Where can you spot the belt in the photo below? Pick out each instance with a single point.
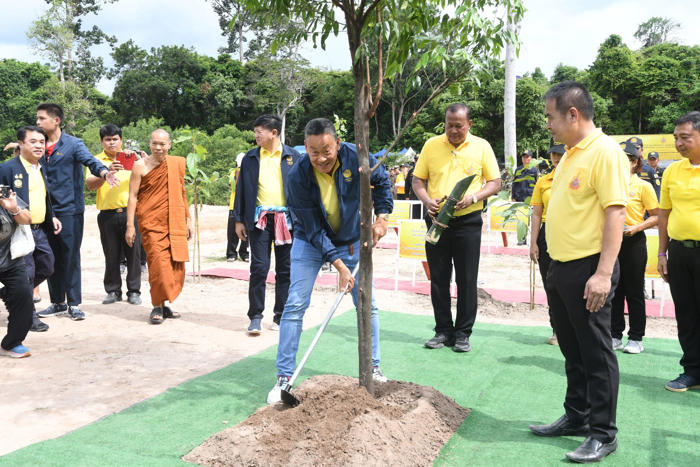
(688, 243)
(36, 226)
(114, 210)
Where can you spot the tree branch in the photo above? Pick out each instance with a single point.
(380, 69)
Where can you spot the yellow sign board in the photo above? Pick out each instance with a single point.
(412, 239)
(665, 145)
(497, 221)
(402, 211)
(652, 253)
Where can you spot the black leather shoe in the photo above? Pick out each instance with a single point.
(112, 297)
(38, 325)
(592, 450)
(133, 298)
(439, 341)
(462, 345)
(562, 427)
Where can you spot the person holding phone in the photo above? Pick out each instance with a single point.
(111, 202)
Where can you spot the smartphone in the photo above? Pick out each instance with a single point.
(4, 191)
(126, 159)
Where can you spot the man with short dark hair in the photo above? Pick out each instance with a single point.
(324, 194)
(679, 238)
(585, 216)
(524, 178)
(112, 203)
(444, 161)
(64, 160)
(262, 217)
(653, 161)
(25, 176)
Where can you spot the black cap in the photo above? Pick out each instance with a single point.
(527, 153)
(636, 141)
(557, 149)
(653, 155)
(629, 148)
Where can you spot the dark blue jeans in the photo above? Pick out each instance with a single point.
(40, 263)
(260, 243)
(65, 283)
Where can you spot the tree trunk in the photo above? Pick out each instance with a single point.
(509, 130)
(240, 41)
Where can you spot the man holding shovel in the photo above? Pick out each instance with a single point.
(324, 196)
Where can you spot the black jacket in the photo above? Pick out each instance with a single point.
(13, 173)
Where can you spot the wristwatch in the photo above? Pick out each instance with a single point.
(474, 200)
(384, 216)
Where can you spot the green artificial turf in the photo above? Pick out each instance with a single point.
(510, 379)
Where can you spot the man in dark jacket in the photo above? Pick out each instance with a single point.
(64, 160)
(262, 218)
(25, 176)
(524, 178)
(324, 195)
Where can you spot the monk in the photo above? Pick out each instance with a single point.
(157, 197)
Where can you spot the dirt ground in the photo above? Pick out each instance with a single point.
(339, 423)
(115, 359)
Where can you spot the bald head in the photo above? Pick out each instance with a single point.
(161, 133)
(160, 143)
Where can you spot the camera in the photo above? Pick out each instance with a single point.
(4, 191)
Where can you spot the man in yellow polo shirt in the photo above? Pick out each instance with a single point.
(585, 216)
(679, 222)
(235, 247)
(444, 161)
(111, 202)
(262, 218)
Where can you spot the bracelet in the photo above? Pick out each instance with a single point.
(661, 254)
(13, 214)
(474, 200)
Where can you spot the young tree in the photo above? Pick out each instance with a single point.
(655, 31)
(471, 30)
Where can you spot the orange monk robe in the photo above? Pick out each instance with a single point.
(162, 211)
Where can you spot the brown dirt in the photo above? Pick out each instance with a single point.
(339, 423)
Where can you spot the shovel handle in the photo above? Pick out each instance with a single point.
(325, 322)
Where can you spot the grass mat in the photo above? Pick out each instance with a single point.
(510, 379)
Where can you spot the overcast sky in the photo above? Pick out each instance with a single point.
(553, 31)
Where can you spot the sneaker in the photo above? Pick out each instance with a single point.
(75, 313)
(683, 383)
(19, 351)
(378, 376)
(133, 298)
(112, 297)
(255, 328)
(633, 347)
(274, 326)
(553, 340)
(439, 341)
(244, 259)
(54, 309)
(122, 268)
(275, 394)
(462, 345)
(617, 343)
(38, 325)
(231, 259)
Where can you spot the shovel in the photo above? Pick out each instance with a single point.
(287, 396)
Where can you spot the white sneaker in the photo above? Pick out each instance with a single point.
(275, 394)
(378, 376)
(616, 343)
(634, 347)
(274, 326)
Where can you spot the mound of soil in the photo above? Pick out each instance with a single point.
(339, 423)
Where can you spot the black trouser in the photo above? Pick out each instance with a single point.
(18, 300)
(232, 245)
(584, 338)
(40, 262)
(65, 283)
(684, 278)
(633, 261)
(261, 242)
(543, 261)
(112, 225)
(459, 244)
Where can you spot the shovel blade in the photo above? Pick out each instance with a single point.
(287, 396)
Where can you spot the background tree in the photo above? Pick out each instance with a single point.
(656, 30)
(235, 21)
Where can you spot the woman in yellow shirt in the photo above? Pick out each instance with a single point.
(633, 259)
(539, 202)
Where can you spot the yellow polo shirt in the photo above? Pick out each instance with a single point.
(680, 192)
(443, 165)
(542, 192)
(642, 197)
(329, 195)
(400, 184)
(232, 181)
(591, 176)
(117, 197)
(270, 188)
(37, 191)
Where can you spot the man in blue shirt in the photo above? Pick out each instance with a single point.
(64, 160)
(324, 197)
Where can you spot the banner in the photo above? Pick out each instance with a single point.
(497, 221)
(412, 239)
(402, 211)
(652, 253)
(665, 145)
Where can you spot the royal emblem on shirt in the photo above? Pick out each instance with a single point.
(290, 161)
(575, 183)
(18, 183)
(347, 175)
